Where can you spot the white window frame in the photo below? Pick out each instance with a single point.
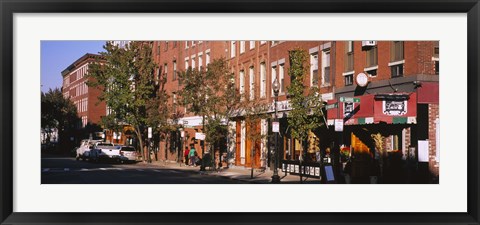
(274, 75)
(313, 65)
(193, 63)
(242, 47)
(263, 80)
(242, 82)
(186, 44)
(200, 61)
(252, 82)
(252, 45)
(232, 49)
(263, 42)
(281, 76)
(186, 64)
(207, 57)
(326, 61)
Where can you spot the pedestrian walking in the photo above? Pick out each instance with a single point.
(185, 155)
(191, 156)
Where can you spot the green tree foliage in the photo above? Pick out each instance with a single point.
(254, 111)
(306, 114)
(58, 112)
(127, 84)
(211, 94)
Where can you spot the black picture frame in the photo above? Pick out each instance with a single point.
(10, 7)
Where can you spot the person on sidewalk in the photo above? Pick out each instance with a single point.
(191, 155)
(185, 156)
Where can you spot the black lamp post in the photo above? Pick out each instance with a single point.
(275, 177)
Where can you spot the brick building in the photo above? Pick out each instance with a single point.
(395, 82)
(75, 87)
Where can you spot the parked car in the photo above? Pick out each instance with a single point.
(104, 151)
(127, 154)
(83, 152)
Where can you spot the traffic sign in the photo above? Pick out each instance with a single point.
(275, 127)
(331, 106)
(349, 99)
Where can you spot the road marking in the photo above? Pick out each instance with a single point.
(173, 171)
(66, 169)
(103, 169)
(46, 170)
(139, 169)
(83, 169)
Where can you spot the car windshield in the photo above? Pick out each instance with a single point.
(128, 149)
(104, 144)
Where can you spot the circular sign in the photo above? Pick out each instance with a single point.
(362, 79)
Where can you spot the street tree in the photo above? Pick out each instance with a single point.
(58, 112)
(254, 111)
(207, 92)
(306, 114)
(126, 80)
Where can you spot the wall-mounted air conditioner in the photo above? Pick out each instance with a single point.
(368, 43)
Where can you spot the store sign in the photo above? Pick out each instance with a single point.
(339, 125)
(394, 108)
(348, 108)
(200, 136)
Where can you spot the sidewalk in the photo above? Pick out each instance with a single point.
(236, 173)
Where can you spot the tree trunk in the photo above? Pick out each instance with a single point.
(139, 136)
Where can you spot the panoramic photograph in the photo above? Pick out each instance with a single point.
(240, 112)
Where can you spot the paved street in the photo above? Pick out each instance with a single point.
(61, 170)
(66, 170)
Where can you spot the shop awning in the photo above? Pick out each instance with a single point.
(391, 108)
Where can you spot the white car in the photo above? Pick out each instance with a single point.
(104, 151)
(127, 154)
(83, 152)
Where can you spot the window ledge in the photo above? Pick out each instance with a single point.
(348, 73)
(435, 58)
(396, 63)
(370, 68)
(325, 85)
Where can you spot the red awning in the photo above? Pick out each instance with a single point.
(367, 109)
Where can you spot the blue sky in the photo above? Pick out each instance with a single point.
(58, 55)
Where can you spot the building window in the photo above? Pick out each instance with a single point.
(326, 67)
(193, 62)
(274, 75)
(165, 71)
(166, 46)
(397, 70)
(348, 56)
(263, 80)
(396, 52)
(158, 48)
(348, 79)
(174, 44)
(193, 43)
(207, 58)
(200, 62)
(371, 56)
(252, 83)
(174, 70)
(281, 78)
(275, 43)
(186, 44)
(252, 45)
(242, 82)
(242, 47)
(232, 49)
(186, 64)
(314, 69)
(263, 42)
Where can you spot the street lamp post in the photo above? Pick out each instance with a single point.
(275, 177)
